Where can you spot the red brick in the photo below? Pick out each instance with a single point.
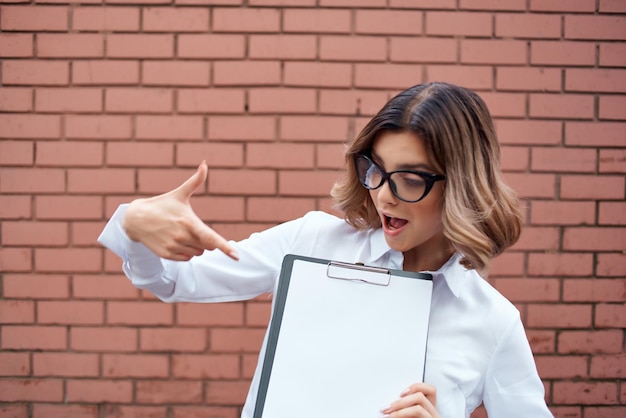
(560, 6)
(75, 45)
(166, 392)
(135, 365)
(351, 102)
(590, 342)
(65, 364)
(595, 134)
(612, 107)
(423, 4)
(236, 339)
(31, 390)
(329, 156)
(565, 106)
(227, 392)
(26, 72)
(14, 364)
(605, 412)
(280, 155)
(514, 158)
(68, 259)
(392, 22)
(314, 128)
(105, 19)
(15, 259)
(611, 367)
(611, 315)
(541, 341)
(562, 367)
(175, 339)
(98, 126)
(256, 182)
(317, 20)
(32, 180)
(103, 339)
(70, 312)
(459, 23)
(529, 132)
(553, 212)
(16, 45)
(611, 265)
(137, 154)
(17, 312)
(24, 337)
(516, 25)
(258, 314)
(348, 48)
(476, 77)
(15, 207)
(560, 264)
(214, 100)
(116, 72)
(83, 233)
(68, 100)
(281, 209)
(98, 391)
(284, 100)
(55, 410)
(479, 51)
(139, 313)
(306, 183)
(211, 46)
(168, 19)
(595, 27)
(592, 187)
(314, 74)
(139, 45)
(175, 73)
(562, 53)
(210, 315)
(246, 73)
(563, 159)
(249, 365)
(532, 185)
(594, 239)
(156, 181)
(131, 100)
(102, 287)
(249, 128)
(283, 47)
(507, 264)
(169, 127)
(411, 49)
(33, 233)
(392, 76)
(611, 6)
(529, 290)
(246, 20)
(215, 154)
(612, 213)
(505, 104)
(294, 3)
(16, 99)
(68, 153)
(353, 3)
(16, 153)
(612, 161)
(34, 18)
(584, 393)
(559, 316)
(538, 238)
(528, 79)
(114, 411)
(492, 5)
(595, 80)
(611, 54)
(35, 286)
(85, 180)
(68, 207)
(203, 366)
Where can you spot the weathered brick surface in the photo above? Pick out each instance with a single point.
(101, 102)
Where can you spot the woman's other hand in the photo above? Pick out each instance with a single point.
(169, 227)
(417, 401)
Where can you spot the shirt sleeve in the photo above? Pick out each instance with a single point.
(211, 277)
(513, 388)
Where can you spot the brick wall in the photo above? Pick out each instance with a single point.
(105, 101)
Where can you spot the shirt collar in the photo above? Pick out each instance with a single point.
(453, 273)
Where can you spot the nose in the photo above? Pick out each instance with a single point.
(385, 194)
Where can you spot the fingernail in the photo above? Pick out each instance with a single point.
(234, 255)
(385, 410)
(405, 392)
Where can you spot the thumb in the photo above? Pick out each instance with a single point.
(193, 183)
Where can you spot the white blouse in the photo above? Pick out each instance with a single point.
(477, 348)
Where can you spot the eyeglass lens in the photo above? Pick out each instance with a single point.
(406, 185)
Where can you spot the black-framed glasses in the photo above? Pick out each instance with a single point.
(407, 185)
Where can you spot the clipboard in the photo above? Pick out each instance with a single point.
(344, 339)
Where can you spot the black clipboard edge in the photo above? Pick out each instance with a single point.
(277, 318)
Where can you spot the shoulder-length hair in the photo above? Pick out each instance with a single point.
(480, 213)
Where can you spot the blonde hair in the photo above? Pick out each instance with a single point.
(480, 214)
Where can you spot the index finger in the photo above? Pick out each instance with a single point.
(210, 240)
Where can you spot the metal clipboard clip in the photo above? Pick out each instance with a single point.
(358, 273)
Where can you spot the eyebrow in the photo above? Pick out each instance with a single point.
(415, 166)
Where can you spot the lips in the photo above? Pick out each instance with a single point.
(392, 223)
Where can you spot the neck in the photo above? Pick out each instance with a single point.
(429, 256)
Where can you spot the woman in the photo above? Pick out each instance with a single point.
(423, 192)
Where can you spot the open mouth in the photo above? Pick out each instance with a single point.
(392, 223)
